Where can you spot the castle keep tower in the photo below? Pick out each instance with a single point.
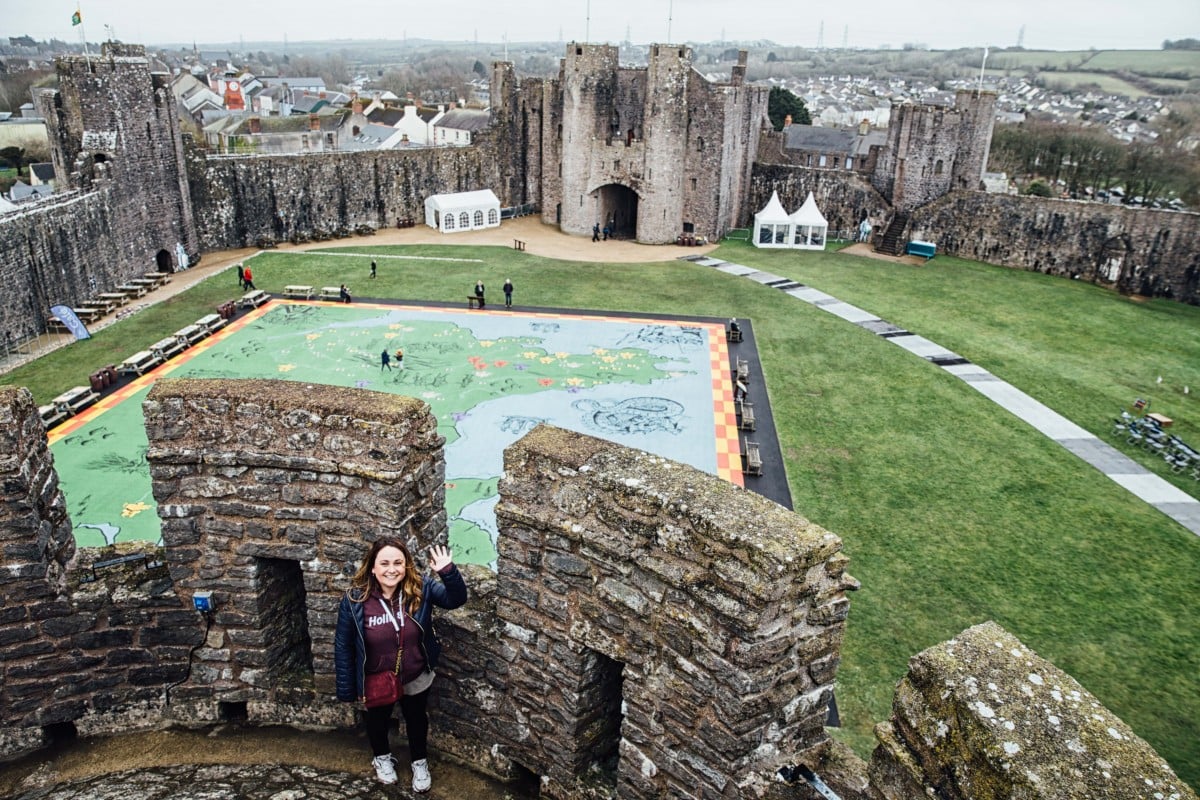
(653, 152)
(112, 124)
(932, 150)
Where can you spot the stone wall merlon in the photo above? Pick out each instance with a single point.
(258, 423)
(982, 716)
(718, 522)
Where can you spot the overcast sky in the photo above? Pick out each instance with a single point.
(941, 24)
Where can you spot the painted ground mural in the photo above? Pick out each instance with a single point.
(489, 377)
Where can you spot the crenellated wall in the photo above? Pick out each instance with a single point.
(651, 631)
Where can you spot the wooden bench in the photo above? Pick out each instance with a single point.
(169, 347)
(743, 370)
(753, 459)
(733, 334)
(253, 299)
(159, 278)
(298, 292)
(745, 412)
(474, 302)
(74, 400)
(139, 363)
(331, 293)
(518, 244)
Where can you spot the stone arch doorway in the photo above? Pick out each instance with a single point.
(618, 208)
(163, 261)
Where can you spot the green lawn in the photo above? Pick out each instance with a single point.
(952, 510)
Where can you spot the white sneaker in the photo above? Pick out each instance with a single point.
(385, 768)
(421, 779)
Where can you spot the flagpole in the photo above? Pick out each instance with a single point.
(83, 34)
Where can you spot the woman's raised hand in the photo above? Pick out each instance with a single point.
(439, 557)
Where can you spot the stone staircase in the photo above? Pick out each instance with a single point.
(892, 241)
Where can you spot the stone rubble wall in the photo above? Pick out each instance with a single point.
(984, 717)
(1132, 250)
(251, 476)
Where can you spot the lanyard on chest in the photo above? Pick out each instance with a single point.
(399, 627)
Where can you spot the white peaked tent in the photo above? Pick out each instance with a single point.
(772, 225)
(809, 226)
(462, 211)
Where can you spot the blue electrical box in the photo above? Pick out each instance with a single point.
(203, 601)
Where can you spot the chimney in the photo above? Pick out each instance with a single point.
(321, 95)
(357, 106)
(254, 125)
(787, 122)
(737, 76)
(863, 127)
(314, 122)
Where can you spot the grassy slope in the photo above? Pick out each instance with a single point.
(952, 511)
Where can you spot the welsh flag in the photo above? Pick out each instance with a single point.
(77, 18)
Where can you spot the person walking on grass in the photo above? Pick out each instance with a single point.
(248, 283)
(385, 359)
(372, 268)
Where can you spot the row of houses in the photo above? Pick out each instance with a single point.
(299, 115)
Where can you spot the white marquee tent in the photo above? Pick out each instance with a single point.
(462, 211)
(806, 229)
(809, 226)
(772, 225)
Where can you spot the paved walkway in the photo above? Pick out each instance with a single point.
(1127, 473)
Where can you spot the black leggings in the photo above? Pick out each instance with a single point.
(416, 724)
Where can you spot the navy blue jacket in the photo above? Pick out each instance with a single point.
(350, 644)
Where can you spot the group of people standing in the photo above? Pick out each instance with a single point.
(507, 289)
(597, 231)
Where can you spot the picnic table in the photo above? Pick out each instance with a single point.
(133, 289)
(139, 363)
(298, 291)
(191, 334)
(331, 293)
(253, 299)
(169, 347)
(51, 415)
(75, 399)
(157, 277)
(212, 322)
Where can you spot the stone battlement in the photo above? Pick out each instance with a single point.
(650, 630)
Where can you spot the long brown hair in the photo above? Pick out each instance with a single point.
(364, 579)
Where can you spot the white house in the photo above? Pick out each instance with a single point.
(462, 211)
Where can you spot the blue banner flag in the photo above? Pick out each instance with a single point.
(66, 315)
